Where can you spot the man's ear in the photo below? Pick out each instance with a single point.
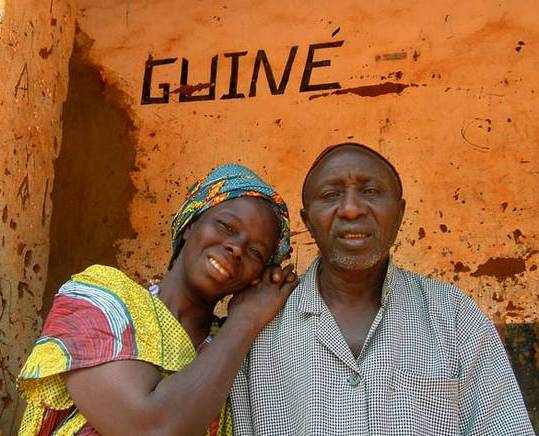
(305, 218)
(402, 210)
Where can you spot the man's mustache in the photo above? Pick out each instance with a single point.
(340, 230)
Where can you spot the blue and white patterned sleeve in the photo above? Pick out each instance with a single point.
(241, 403)
(490, 401)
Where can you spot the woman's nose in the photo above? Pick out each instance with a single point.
(234, 247)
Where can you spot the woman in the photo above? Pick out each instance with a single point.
(116, 358)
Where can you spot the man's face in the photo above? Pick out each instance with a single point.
(353, 208)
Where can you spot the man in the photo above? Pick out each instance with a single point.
(364, 347)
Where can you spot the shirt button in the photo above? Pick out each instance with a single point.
(354, 380)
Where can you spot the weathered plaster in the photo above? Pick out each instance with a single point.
(35, 46)
(2, 7)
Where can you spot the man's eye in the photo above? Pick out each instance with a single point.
(371, 191)
(328, 195)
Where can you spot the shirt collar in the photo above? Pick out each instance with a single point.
(310, 300)
(391, 281)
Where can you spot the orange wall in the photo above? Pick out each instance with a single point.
(458, 118)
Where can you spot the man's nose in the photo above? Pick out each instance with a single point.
(351, 205)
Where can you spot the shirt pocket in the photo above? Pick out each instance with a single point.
(423, 405)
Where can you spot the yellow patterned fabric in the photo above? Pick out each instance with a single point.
(99, 316)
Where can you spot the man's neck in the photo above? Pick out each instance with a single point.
(354, 298)
(341, 286)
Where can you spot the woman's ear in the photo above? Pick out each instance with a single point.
(188, 230)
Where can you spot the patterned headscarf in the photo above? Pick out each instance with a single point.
(227, 182)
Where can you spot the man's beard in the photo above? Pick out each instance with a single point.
(356, 262)
(360, 261)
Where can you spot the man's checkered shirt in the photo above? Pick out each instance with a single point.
(432, 364)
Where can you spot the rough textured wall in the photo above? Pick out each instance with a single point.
(447, 90)
(36, 41)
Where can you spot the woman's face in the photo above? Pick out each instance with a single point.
(228, 246)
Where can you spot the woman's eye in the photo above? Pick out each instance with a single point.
(225, 226)
(256, 253)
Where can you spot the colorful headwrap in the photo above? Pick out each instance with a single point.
(227, 182)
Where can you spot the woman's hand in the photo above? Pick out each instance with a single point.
(259, 303)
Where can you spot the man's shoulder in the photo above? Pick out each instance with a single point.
(302, 299)
(306, 288)
(430, 286)
(442, 297)
(406, 282)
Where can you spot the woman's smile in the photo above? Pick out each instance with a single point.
(215, 265)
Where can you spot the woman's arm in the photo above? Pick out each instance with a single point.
(130, 397)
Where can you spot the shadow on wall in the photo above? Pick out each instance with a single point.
(92, 186)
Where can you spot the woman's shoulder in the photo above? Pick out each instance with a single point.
(107, 278)
(102, 315)
(94, 319)
(109, 290)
